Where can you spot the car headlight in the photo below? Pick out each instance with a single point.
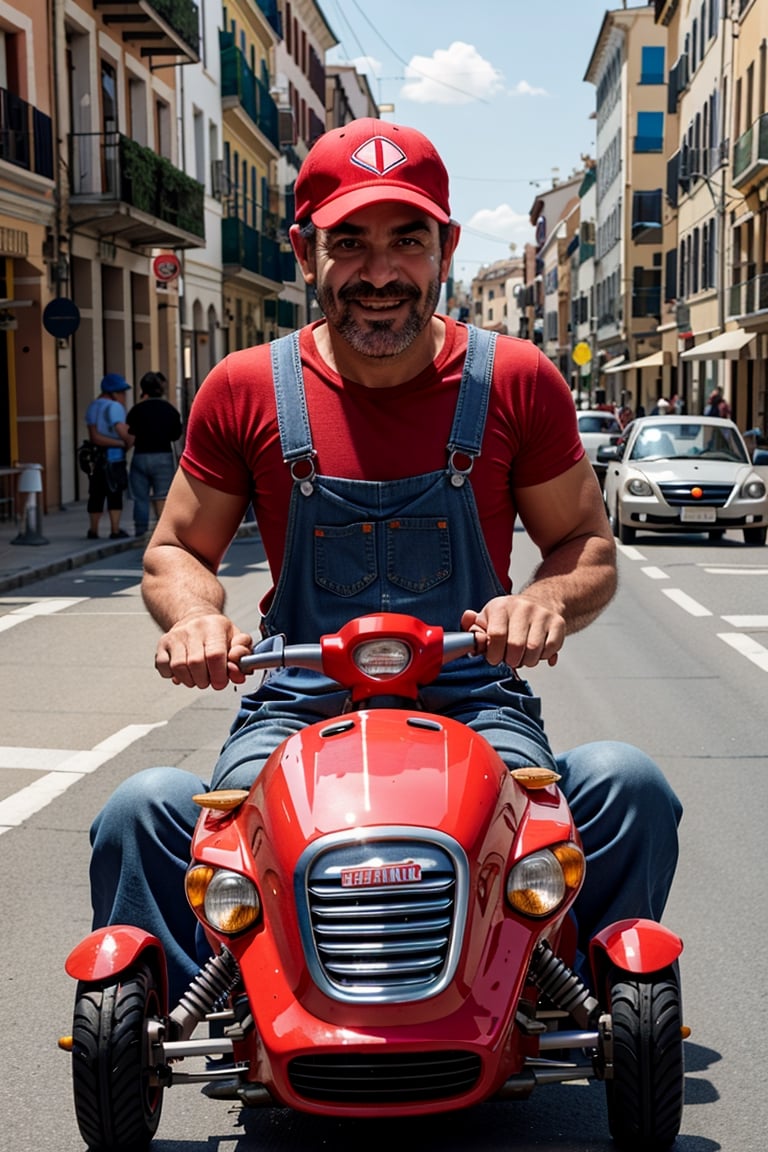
(753, 489)
(538, 884)
(226, 901)
(639, 487)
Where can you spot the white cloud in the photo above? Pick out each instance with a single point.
(523, 88)
(367, 65)
(454, 75)
(501, 223)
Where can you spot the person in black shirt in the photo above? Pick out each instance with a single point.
(155, 425)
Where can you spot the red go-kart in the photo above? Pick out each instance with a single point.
(388, 914)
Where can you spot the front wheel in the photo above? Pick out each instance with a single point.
(117, 1108)
(645, 1096)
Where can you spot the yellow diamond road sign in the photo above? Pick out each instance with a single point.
(582, 353)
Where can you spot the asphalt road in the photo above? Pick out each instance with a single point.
(677, 664)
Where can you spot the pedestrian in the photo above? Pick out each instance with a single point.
(717, 405)
(155, 426)
(388, 452)
(661, 407)
(107, 428)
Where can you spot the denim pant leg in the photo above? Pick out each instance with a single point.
(140, 851)
(139, 478)
(628, 816)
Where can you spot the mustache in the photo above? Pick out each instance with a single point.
(363, 291)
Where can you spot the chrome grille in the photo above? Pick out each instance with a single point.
(678, 495)
(381, 939)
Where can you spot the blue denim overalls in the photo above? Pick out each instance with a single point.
(357, 546)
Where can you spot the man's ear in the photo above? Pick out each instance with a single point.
(449, 248)
(304, 252)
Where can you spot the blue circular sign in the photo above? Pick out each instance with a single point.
(61, 317)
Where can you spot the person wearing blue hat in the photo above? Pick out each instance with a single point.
(107, 428)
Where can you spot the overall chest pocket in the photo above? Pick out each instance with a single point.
(418, 551)
(345, 557)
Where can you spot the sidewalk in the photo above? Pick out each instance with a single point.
(66, 547)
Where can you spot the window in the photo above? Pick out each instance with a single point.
(650, 132)
(652, 65)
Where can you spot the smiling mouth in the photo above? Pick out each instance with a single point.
(379, 305)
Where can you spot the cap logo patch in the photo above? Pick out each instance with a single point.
(379, 155)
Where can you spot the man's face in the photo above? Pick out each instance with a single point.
(378, 276)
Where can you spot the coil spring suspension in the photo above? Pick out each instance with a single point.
(563, 987)
(211, 984)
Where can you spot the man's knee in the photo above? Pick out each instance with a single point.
(608, 770)
(145, 801)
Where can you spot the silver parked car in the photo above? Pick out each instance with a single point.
(684, 474)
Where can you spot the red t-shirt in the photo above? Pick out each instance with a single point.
(362, 433)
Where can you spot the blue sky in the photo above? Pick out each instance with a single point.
(498, 85)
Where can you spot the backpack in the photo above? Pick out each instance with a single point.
(90, 456)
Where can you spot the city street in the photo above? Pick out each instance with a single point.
(678, 664)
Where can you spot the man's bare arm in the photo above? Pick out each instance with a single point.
(200, 645)
(574, 582)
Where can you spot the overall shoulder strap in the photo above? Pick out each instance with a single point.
(474, 393)
(288, 382)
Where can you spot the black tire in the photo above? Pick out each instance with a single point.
(117, 1109)
(715, 534)
(755, 536)
(645, 1096)
(626, 534)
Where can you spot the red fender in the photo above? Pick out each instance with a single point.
(109, 952)
(639, 946)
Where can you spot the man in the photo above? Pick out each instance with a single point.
(387, 452)
(155, 426)
(105, 418)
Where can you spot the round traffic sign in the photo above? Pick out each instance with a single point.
(582, 353)
(61, 317)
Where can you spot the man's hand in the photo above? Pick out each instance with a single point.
(203, 651)
(516, 630)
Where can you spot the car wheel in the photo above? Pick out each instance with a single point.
(626, 534)
(613, 519)
(716, 533)
(645, 1094)
(755, 535)
(115, 1104)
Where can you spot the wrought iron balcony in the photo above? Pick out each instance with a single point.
(748, 297)
(246, 250)
(167, 28)
(120, 188)
(239, 86)
(26, 136)
(750, 156)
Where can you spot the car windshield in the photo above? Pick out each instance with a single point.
(680, 441)
(595, 422)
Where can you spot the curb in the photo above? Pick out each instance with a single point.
(14, 580)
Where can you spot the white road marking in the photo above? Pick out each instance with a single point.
(747, 647)
(36, 608)
(735, 571)
(630, 552)
(746, 621)
(656, 573)
(686, 602)
(64, 769)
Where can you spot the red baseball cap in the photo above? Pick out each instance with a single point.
(369, 162)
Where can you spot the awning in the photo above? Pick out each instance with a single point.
(655, 360)
(721, 345)
(611, 365)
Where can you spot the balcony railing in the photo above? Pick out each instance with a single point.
(749, 296)
(26, 136)
(750, 156)
(169, 28)
(122, 187)
(239, 81)
(243, 247)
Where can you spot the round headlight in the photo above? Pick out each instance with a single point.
(639, 487)
(382, 658)
(753, 490)
(538, 884)
(227, 901)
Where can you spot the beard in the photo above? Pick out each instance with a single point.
(372, 337)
